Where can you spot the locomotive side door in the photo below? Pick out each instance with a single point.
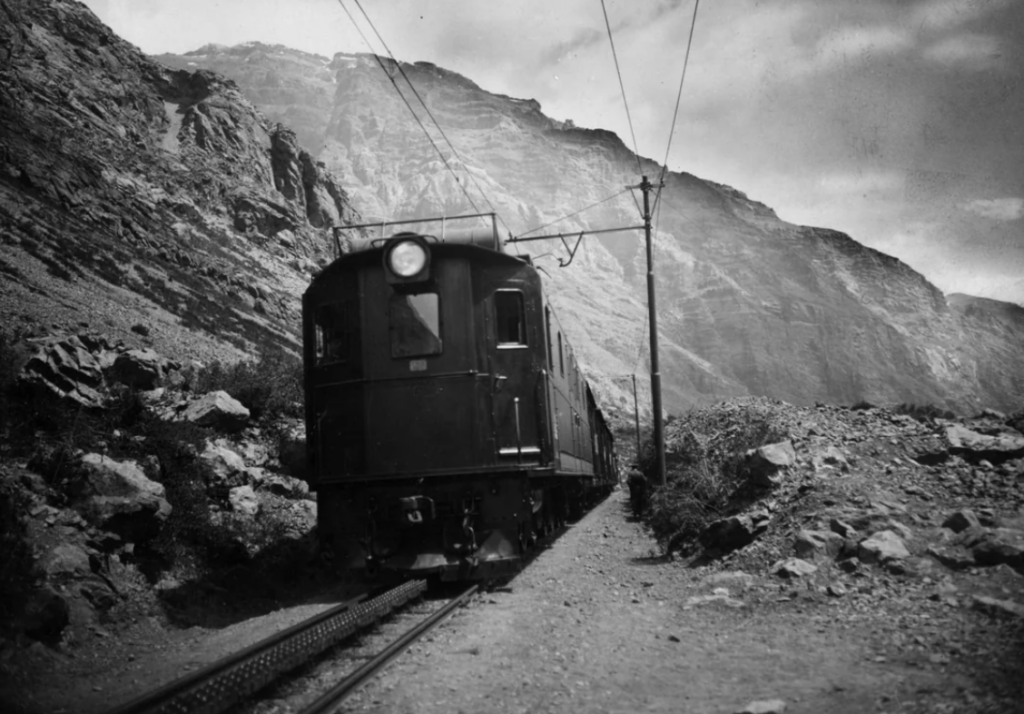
(515, 386)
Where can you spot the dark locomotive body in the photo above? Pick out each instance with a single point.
(448, 424)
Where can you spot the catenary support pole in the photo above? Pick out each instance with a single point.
(659, 435)
(636, 420)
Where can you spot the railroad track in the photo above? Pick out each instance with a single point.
(217, 687)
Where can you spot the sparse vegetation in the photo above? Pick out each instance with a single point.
(924, 412)
(270, 387)
(706, 477)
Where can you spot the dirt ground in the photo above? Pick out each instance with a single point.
(599, 623)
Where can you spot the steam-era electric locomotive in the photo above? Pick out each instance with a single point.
(448, 424)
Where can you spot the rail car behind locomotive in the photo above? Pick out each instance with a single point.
(448, 423)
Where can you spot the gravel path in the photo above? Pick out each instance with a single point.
(597, 624)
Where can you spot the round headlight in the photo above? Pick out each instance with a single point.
(407, 258)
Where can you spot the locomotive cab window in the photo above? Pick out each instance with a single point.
(510, 318)
(415, 324)
(337, 332)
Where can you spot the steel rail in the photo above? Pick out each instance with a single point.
(216, 687)
(339, 691)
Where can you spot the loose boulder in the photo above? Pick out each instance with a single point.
(141, 369)
(69, 370)
(765, 462)
(961, 520)
(882, 547)
(46, 615)
(222, 468)
(816, 544)
(218, 410)
(982, 446)
(243, 501)
(728, 534)
(117, 496)
(794, 568)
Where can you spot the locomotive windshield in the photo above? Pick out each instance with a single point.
(415, 324)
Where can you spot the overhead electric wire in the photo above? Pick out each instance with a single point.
(679, 96)
(430, 114)
(587, 208)
(622, 87)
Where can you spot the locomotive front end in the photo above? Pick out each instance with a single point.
(409, 408)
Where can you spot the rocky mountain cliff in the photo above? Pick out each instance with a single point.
(137, 196)
(748, 304)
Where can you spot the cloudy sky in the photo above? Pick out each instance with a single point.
(900, 122)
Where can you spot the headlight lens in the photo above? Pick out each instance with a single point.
(407, 258)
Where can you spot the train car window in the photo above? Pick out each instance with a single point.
(510, 317)
(415, 324)
(561, 360)
(337, 332)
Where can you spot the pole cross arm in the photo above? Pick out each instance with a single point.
(549, 236)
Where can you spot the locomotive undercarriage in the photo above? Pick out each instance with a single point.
(470, 527)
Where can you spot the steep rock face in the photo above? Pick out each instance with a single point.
(748, 304)
(130, 192)
(290, 87)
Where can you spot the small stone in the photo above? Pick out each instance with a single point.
(767, 706)
(836, 590)
(882, 547)
(997, 608)
(961, 520)
(842, 528)
(794, 568)
(673, 638)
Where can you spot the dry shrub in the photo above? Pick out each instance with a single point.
(269, 387)
(706, 477)
(924, 412)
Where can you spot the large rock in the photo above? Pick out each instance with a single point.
(882, 547)
(243, 500)
(982, 446)
(65, 560)
(961, 520)
(46, 615)
(794, 568)
(69, 370)
(222, 468)
(815, 544)
(218, 410)
(117, 496)
(1001, 545)
(728, 534)
(765, 462)
(141, 369)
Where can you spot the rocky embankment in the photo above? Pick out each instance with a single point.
(857, 559)
(135, 501)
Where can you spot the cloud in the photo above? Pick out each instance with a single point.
(862, 43)
(938, 15)
(973, 50)
(861, 183)
(998, 209)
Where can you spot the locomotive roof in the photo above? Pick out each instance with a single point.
(373, 254)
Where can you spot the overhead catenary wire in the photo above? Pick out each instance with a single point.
(576, 213)
(433, 119)
(679, 96)
(390, 76)
(622, 87)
